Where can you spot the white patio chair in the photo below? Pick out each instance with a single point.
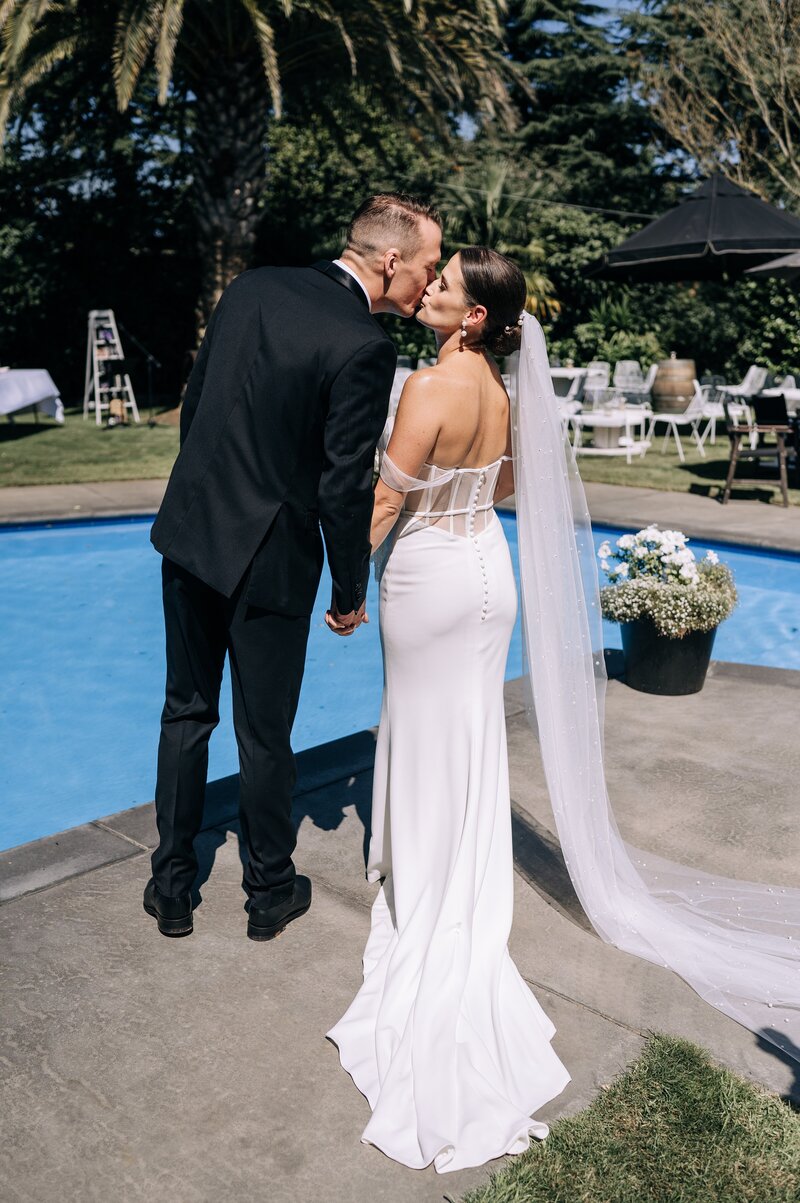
(650, 380)
(595, 382)
(690, 419)
(754, 380)
(714, 410)
(628, 375)
(641, 392)
(573, 393)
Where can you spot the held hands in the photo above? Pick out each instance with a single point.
(345, 624)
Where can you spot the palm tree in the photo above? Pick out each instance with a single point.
(488, 208)
(234, 63)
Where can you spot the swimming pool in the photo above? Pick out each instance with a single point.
(81, 643)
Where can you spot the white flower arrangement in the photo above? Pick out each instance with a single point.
(655, 575)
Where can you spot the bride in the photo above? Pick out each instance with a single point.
(444, 1038)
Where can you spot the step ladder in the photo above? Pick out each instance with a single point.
(108, 385)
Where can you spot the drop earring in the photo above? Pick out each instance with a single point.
(463, 334)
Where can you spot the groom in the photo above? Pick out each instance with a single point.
(283, 410)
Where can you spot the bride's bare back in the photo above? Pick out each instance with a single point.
(457, 413)
(454, 415)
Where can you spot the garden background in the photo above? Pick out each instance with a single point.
(149, 157)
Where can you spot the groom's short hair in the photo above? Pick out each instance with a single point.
(389, 219)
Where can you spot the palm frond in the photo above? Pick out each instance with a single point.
(265, 37)
(7, 8)
(14, 90)
(138, 27)
(19, 28)
(171, 23)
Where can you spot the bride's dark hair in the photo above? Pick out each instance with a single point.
(498, 284)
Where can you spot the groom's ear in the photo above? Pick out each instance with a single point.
(390, 260)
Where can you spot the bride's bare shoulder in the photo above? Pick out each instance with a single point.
(431, 384)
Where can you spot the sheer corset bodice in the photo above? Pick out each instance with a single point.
(457, 500)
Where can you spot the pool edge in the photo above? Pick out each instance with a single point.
(52, 859)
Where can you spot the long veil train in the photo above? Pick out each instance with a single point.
(736, 943)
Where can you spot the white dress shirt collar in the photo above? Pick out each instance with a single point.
(346, 267)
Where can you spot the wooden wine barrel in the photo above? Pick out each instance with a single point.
(673, 386)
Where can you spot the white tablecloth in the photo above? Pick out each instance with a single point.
(22, 387)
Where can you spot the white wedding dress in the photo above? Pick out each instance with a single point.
(444, 1037)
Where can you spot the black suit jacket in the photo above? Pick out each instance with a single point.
(282, 413)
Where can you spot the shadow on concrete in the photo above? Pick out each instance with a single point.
(336, 776)
(788, 1054)
(330, 778)
(758, 483)
(739, 492)
(326, 808)
(540, 863)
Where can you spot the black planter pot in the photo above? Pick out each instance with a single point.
(655, 663)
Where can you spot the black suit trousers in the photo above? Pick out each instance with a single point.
(266, 654)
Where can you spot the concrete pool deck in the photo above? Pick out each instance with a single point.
(197, 1069)
(740, 521)
(137, 1067)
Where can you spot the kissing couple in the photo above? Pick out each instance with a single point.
(285, 406)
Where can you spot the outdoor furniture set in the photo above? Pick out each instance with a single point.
(763, 424)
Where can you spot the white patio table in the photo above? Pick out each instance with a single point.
(613, 431)
(21, 388)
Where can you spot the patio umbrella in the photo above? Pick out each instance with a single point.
(785, 268)
(718, 228)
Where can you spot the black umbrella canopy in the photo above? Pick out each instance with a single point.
(785, 268)
(719, 228)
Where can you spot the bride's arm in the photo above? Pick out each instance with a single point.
(388, 504)
(505, 477)
(416, 428)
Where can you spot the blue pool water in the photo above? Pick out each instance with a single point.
(81, 648)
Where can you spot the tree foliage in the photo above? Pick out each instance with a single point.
(487, 207)
(234, 65)
(722, 79)
(94, 213)
(581, 126)
(617, 113)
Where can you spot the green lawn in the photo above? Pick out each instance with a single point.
(673, 1129)
(79, 451)
(704, 477)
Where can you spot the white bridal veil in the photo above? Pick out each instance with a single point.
(736, 943)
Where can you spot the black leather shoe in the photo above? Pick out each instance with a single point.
(173, 915)
(265, 923)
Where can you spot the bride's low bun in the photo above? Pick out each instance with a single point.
(492, 280)
(503, 342)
